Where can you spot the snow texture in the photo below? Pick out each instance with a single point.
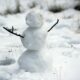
(34, 41)
(3, 7)
(34, 35)
(16, 6)
(12, 6)
(63, 42)
(33, 61)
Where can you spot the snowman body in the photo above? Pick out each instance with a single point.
(34, 39)
(33, 61)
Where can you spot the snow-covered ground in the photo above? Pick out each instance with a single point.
(63, 42)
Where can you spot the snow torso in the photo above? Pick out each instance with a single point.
(34, 39)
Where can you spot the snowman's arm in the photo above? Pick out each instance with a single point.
(53, 25)
(13, 32)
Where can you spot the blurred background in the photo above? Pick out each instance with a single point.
(18, 6)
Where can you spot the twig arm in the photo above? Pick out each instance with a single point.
(13, 32)
(53, 25)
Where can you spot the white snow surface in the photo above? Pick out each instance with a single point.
(63, 47)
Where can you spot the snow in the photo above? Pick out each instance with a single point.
(28, 4)
(16, 6)
(32, 61)
(38, 20)
(63, 44)
(11, 6)
(32, 41)
(3, 7)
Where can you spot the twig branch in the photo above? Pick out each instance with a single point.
(53, 25)
(12, 32)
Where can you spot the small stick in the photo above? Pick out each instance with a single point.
(53, 25)
(13, 32)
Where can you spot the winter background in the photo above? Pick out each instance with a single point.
(63, 41)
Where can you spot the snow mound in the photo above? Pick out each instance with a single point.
(33, 76)
(7, 61)
(4, 75)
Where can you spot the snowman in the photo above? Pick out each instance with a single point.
(33, 39)
(32, 59)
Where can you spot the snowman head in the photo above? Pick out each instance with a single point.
(34, 20)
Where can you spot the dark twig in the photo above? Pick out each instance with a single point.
(53, 25)
(12, 32)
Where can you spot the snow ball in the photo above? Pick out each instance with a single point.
(34, 20)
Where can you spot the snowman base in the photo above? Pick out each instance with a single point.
(32, 61)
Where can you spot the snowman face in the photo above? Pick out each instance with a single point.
(34, 20)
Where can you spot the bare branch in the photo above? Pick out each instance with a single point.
(12, 32)
(53, 25)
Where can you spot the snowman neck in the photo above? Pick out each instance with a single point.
(34, 28)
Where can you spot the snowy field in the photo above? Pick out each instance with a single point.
(63, 41)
